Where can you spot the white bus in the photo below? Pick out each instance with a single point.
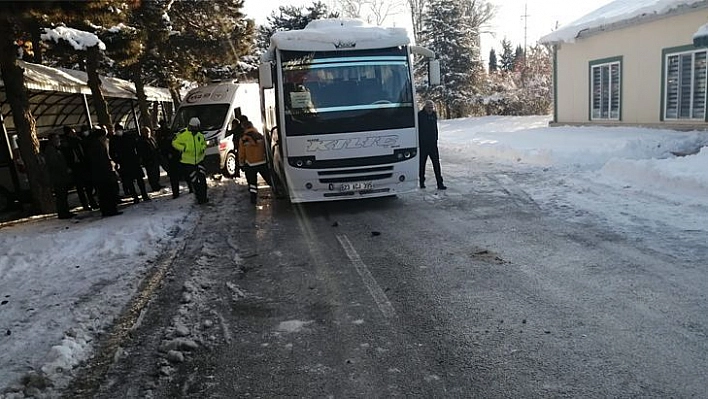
(339, 108)
(215, 104)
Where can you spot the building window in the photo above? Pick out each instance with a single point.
(685, 78)
(606, 83)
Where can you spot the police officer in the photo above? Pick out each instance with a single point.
(191, 144)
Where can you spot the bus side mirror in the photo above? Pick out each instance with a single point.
(265, 77)
(433, 73)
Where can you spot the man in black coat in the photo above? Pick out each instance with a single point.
(103, 174)
(124, 151)
(428, 141)
(73, 150)
(59, 175)
(150, 157)
(236, 133)
(170, 157)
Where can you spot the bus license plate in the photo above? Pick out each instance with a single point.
(356, 186)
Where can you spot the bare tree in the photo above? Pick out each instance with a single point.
(417, 8)
(351, 8)
(372, 11)
(382, 9)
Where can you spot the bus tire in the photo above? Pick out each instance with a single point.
(278, 187)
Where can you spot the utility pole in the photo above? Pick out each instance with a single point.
(525, 17)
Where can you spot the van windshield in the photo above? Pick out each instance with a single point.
(211, 116)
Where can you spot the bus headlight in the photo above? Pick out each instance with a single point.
(301, 162)
(402, 154)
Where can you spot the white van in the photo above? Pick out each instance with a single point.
(215, 105)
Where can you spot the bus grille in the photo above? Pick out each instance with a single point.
(356, 175)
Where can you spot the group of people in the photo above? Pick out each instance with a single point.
(97, 162)
(85, 162)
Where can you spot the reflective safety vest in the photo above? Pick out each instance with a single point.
(191, 145)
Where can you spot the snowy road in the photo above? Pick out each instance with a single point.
(512, 286)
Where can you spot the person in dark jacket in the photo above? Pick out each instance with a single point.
(124, 151)
(171, 158)
(236, 133)
(150, 157)
(428, 142)
(59, 175)
(73, 150)
(103, 174)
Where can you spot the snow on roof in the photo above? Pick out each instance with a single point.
(620, 13)
(44, 78)
(78, 39)
(337, 34)
(701, 32)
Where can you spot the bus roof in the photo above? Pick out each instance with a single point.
(337, 34)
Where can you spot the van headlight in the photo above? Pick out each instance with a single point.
(211, 143)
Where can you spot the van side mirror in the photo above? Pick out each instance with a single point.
(265, 77)
(433, 73)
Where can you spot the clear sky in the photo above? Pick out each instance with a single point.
(543, 16)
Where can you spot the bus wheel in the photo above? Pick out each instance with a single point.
(277, 186)
(231, 165)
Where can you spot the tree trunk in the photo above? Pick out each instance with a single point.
(94, 83)
(174, 92)
(36, 43)
(16, 93)
(145, 119)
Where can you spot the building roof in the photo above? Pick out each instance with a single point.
(619, 14)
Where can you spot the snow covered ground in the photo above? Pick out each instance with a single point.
(62, 282)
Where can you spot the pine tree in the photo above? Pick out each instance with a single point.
(208, 39)
(291, 18)
(94, 17)
(519, 59)
(446, 32)
(492, 61)
(507, 56)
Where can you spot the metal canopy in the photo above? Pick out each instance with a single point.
(61, 97)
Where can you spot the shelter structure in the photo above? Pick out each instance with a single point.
(59, 97)
(630, 62)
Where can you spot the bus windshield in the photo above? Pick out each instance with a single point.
(347, 91)
(211, 116)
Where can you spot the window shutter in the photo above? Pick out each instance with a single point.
(615, 91)
(672, 79)
(596, 92)
(699, 86)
